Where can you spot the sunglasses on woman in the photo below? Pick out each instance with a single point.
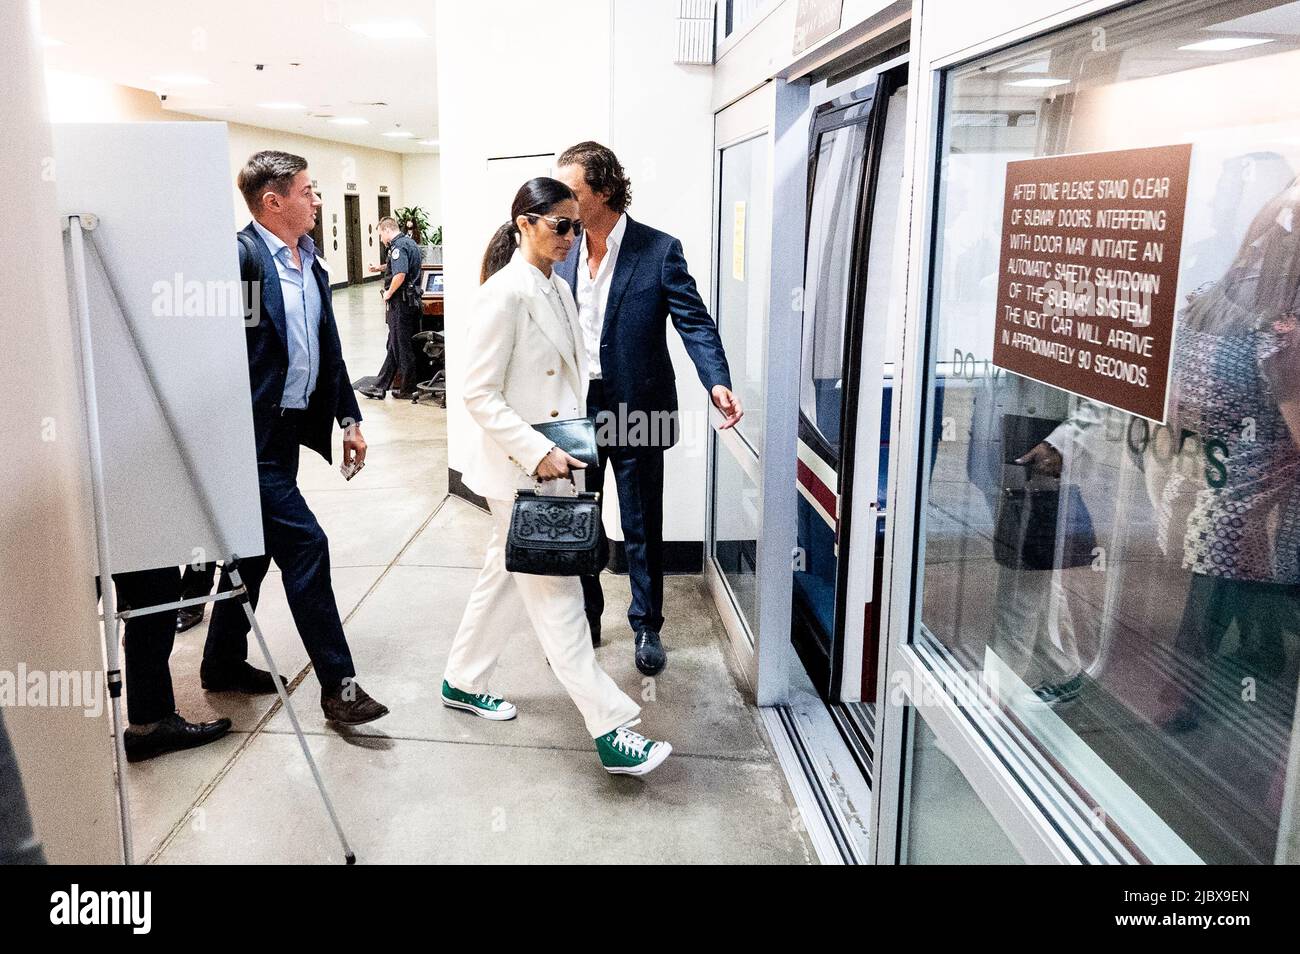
(560, 226)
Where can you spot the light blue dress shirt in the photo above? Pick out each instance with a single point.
(302, 311)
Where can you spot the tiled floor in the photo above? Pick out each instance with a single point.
(429, 784)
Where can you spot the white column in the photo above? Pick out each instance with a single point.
(47, 570)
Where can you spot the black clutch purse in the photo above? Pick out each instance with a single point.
(576, 436)
(556, 536)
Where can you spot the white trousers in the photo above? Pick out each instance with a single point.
(503, 602)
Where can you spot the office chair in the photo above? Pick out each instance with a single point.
(434, 346)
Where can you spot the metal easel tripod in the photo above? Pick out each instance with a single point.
(80, 227)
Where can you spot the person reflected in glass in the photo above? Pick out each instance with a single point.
(1236, 388)
(1027, 442)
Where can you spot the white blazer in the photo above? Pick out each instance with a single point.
(526, 366)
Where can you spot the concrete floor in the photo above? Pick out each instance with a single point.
(427, 784)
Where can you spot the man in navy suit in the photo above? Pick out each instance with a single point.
(629, 280)
(300, 388)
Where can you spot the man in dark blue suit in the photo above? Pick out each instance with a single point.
(629, 281)
(300, 388)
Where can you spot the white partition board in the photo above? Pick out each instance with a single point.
(162, 195)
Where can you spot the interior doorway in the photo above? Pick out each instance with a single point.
(352, 223)
(385, 210)
(318, 230)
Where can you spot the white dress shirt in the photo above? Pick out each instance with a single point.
(593, 293)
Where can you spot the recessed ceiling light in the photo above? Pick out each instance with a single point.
(428, 142)
(1040, 82)
(1223, 44)
(52, 41)
(399, 134)
(350, 121)
(281, 106)
(390, 30)
(181, 79)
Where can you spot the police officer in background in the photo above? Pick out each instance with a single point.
(402, 294)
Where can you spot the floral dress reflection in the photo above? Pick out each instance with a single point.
(1236, 386)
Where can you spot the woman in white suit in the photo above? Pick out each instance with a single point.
(527, 366)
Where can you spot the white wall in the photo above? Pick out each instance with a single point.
(332, 165)
(620, 87)
(75, 98)
(763, 48)
(662, 130)
(47, 567)
(422, 185)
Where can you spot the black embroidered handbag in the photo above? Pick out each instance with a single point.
(556, 536)
(1027, 526)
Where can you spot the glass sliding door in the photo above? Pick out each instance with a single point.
(1126, 590)
(740, 309)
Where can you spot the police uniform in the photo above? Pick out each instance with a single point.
(403, 315)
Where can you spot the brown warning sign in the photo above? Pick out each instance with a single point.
(1087, 283)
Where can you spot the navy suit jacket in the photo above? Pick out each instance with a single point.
(651, 285)
(268, 362)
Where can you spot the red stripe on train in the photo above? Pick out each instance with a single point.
(809, 480)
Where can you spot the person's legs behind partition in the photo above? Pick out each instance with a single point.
(155, 727)
(196, 581)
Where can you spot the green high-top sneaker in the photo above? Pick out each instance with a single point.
(480, 703)
(624, 752)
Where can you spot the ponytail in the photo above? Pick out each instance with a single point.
(535, 197)
(499, 250)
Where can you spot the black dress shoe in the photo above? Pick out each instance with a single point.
(377, 394)
(351, 705)
(650, 655)
(594, 623)
(187, 617)
(172, 734)
(241, 678)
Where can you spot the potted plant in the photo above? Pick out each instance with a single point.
(433, 251)
(414, 221)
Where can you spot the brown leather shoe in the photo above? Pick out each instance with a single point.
(351, 705)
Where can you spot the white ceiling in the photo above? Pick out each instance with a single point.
(339, 72)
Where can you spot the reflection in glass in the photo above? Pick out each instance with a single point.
(948, 824)
(831, 220)
(735, 530)
(1134, 585)
(743, 276)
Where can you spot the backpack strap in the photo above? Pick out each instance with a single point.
(250, 263)
(250, 277)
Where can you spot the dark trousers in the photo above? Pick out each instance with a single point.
(639, 479)
(300, 549)
(147, 642)
(399, 362)
(197, 581)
